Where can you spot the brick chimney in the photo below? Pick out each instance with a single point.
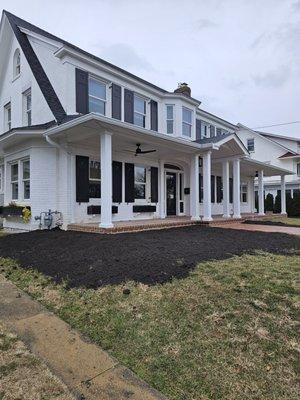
(183, 88)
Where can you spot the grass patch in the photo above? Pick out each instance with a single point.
(286, 220)
(230, 330)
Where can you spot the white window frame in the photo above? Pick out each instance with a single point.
(170, 119)
(244, 191)
(190, 124)
(27, 110)
(90, 166)
(142, 199)
(17, 64)
(24, 180)
(135, 95)
(205, 129)
(13, 182)
(93, 78)
(1, 178)
(7, 117)
(298, 168)
(251, 140)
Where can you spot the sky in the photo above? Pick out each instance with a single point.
(241, 58)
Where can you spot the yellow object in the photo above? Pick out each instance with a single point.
(26, 214)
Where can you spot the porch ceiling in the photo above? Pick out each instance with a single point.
(249, 167)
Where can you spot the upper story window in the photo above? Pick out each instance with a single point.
(1, 178)
(7, 117)
(250, 145)
(139, 117)
(186, 122)
(170, 118)
(204, 130)
(17, 63)
(212, 130)
(97, 96)
(27, 107)
(298, 169)
(139, 182)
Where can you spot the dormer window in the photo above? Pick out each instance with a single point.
(97, 96)
(17, 63)
(186, 122)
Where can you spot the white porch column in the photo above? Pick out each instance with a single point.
(162, 183)
(225, 178)
(283, 195)
(106, 180)
(194, 188)
(261, 200)
(207, 186)
(236, 189)
(252, 194)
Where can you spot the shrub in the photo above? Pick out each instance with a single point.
(269, 202)
(277, 204)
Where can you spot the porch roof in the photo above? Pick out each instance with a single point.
(86, 126)
(249, 167)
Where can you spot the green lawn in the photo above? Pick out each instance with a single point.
(284, 220)
(227, 331)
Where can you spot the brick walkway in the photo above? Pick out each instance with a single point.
(262, 228)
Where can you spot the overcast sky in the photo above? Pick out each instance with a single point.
(241, 58)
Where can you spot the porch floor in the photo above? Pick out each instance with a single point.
(157, 223)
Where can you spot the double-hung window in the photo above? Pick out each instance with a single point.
(250, 145)
(244, 193)
(27, 107)
(204, 130)
(139, 182)
(7, 117)
(170, 118)
(1, 178)
(14, 179)
(187, 122)
(298, 169)
(26, 179)
(97, 96)
(139, 117)
(95, 179)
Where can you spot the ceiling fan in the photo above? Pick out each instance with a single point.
(139, 151)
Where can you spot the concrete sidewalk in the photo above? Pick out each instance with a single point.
(88, 371)
(261, 228)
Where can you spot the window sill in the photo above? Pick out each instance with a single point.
(15, 78)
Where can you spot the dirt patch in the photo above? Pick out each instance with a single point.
(151, 257)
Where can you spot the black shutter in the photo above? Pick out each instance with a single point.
(129, 183)
(154, 184)
(212, 180)
(82, 91)
(128, 105)
(219, 189)
(198, 129)
(82, 179)
(154, 116)
(116, 101)
(200, 188)
(117, 181)
(230, 190)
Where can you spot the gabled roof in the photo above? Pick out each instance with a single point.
(239, 125)
(222, 139)
(37, 69)
(273, 135)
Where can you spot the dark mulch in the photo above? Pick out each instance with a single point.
(151, 257)
(272, 223)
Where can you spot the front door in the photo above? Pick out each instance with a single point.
(171, 193)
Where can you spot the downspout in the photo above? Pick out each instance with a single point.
(69, 159)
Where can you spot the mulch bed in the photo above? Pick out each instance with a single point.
(271, 223)
(93, 260)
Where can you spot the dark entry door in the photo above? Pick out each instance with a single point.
(171, 193)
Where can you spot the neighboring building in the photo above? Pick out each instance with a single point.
(281, 151)
(99, 144)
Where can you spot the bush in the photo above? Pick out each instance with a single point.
(269, 202)
(277, 204)
(294, 207)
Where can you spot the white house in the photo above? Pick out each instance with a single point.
(98, 144)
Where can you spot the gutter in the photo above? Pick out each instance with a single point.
(57, 145)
